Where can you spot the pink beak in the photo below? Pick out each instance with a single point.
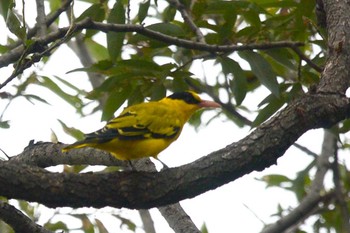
(209, 104)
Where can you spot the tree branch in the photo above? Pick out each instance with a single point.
(188, 19)
(21, 53)
(18, 221)
(138, 190)
(306, 59)
(340, 195)
(37, 155)
(15, 54)
(147, 221)
(174, 214)
(41, 18)
(338, 60)
(315, 195)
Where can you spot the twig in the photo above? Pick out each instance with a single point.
(50, 18)
(339, 194)
(146, 218)
(305, 150)
(18, 221)
(174, 214)
(177, 219)
(106, 27)
(25, 63)
(315, 195)
(41, 18)
(306, 59)
(188, 19)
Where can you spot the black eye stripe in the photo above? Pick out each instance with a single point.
(186, 96)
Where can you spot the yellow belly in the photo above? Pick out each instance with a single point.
(134, 149)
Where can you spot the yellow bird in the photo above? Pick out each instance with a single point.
(145, 129)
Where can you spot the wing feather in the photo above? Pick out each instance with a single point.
(148, 120)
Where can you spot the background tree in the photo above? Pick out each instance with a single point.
(276, 49)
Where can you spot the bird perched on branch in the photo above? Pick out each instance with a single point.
(145, 129)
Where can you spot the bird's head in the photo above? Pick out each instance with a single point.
(186, 103)
(192, 99)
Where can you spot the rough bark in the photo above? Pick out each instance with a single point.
(131, 189)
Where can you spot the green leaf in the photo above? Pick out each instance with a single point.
(102, 67)
(158, 91)
(77, 134)
(27, 208)
(238, 84)
(204, 228)
(114, 101)
(270, 109)
(4, 7)
(115, 40)
(15, 25)
(98, 51)
(52, 86)
(94, 12)
(282, 56)
(58, 226)
(4, 124)
(169, 13)
(276, 180)
(168, 29)
(126, 222)
(30, 97)
(100, 226)
(262, 69)
(143, 10)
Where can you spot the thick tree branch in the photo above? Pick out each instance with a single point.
(338, 60)
(18, 221)
(149, 189)
(37, 155)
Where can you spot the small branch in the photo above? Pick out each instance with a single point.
(177, 219)
(174, 214)
(18, 221)
(315, 195)
(187, 19)
(305, 150)
(41, 18)
(148, 224)
(107, 27)
(50, 18)
(306, 59)
(340, 195)
(63, 34)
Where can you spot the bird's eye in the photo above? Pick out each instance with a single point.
(186, 96)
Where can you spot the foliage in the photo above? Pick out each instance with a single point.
(130, 66)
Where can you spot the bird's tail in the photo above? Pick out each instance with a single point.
(75, 145)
